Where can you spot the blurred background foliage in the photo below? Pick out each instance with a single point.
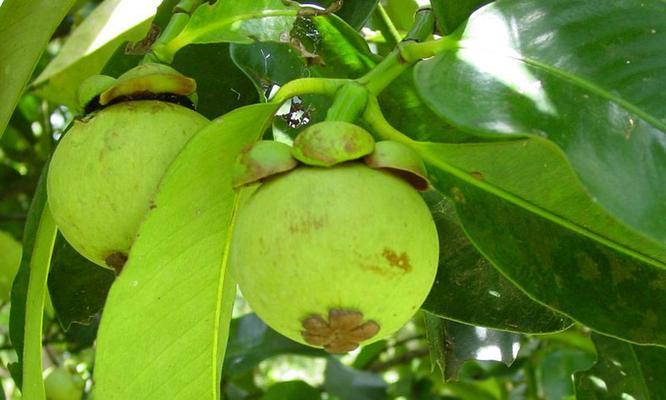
(430, 358)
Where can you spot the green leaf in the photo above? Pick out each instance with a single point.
(347, 383)
(90, 46)
(556, 369)
(354, 12)
(452, 344)
(10, 261)
(165, 323)
(451, 14)
(586, 78)
(26, 29)
(251, 341)
(78, 287)
(221, 86)
(29, 293)
(291, 390)
(234, 22)
(623, 371)
(511, 195)
(465, 274)
(402, 13)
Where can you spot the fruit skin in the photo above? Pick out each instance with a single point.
(106, 170)
(346, 238)
(10, 260)
(61, 384)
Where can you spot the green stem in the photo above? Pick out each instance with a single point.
(373, 117)
(178, 21)
(33, 386)
(350, 101)
(308, 86)
(394, 64)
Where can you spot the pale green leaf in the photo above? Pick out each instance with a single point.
(166, 320)
(26, 29)
(91, 45)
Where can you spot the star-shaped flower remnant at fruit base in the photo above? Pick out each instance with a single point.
(343, 332)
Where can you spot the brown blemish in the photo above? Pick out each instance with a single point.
(477, 175)
(400, 261)
(343, 332)
(307, 224)
(116, 261)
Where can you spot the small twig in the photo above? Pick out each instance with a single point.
(403, 359)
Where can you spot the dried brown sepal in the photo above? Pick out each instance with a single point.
(400, 160)
(343, 332)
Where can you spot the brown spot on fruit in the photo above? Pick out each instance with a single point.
(399, 261)
(343, 332)
(116, 261)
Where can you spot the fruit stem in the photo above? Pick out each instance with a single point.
(374, 118)
(308, 86)
(349, 102)
(409, 51)
(181, 16)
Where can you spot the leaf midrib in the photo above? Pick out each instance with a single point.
(431, 158)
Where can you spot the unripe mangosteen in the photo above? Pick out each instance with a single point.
(107, 168)
(338, 256)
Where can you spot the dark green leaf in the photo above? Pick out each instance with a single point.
(451, 14)
(452, 344)
(251, 341)
(465, 274)
(623, 371)
(597, 272)
(78, 287)
(511, 195)
(26, 29)
(349, 384)
(291, 390)
(221, 86)
(556, 370)
(587, 78)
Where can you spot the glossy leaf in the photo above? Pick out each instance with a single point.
(78, 287)
(465, 274)
(451, 14)
(595, 271)
(29, 293)
(90, 46)
(347, 383)
(251, 341)
(587, 78)
(26, 30)
(165, 322)
(623, 371)
(233, 21)
(452, 344)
